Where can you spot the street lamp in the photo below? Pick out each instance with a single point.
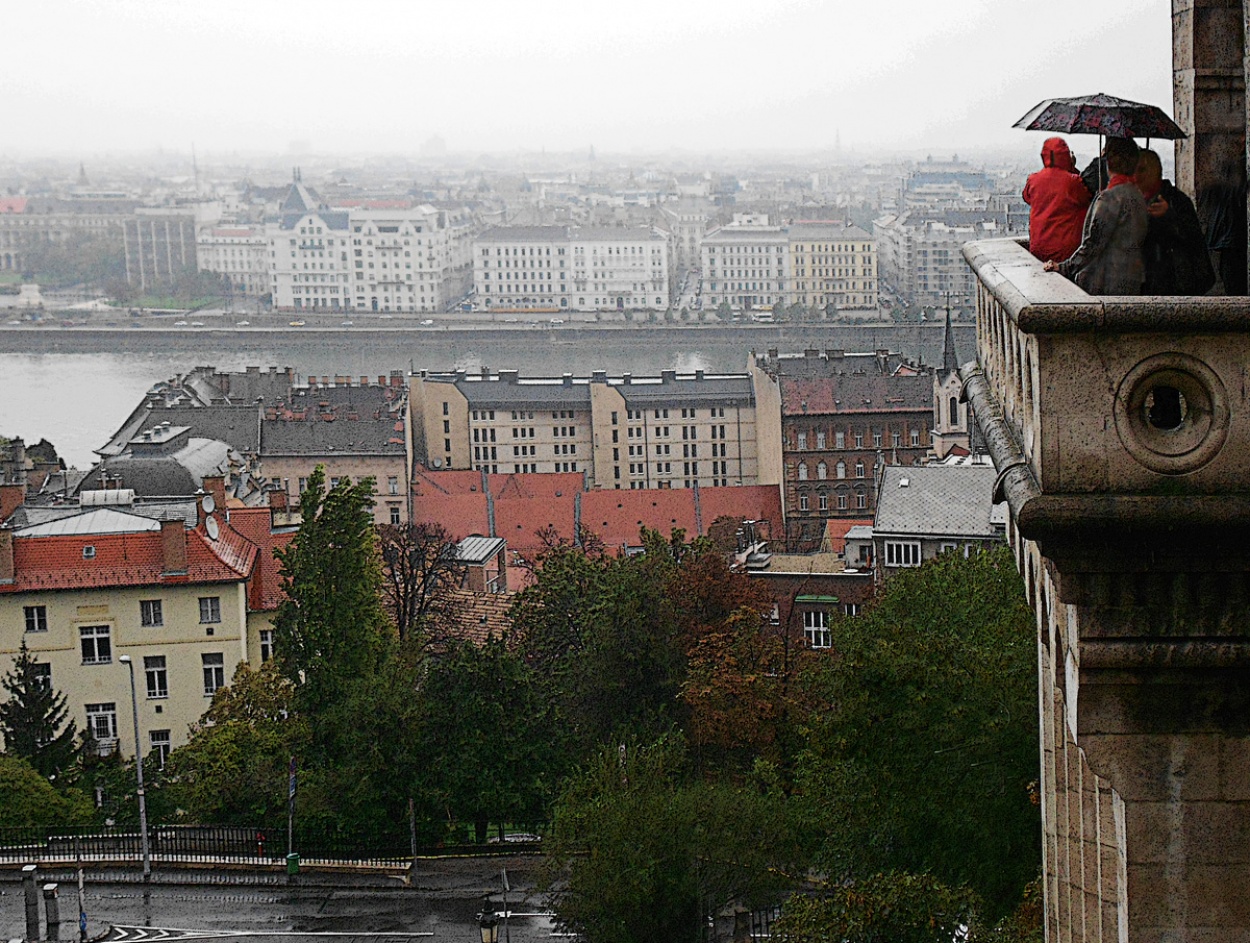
(143, 807)
(488, 923)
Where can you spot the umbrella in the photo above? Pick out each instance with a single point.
(1100, 114)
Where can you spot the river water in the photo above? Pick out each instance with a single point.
(75, 387)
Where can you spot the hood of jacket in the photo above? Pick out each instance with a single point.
(1055, 153)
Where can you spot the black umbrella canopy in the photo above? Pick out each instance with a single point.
(1100, 114)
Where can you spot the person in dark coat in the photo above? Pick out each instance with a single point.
(1175, 249)
(1109, 259)
(1224, 208)
(1057, 202)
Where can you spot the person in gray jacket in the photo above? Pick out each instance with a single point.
(1109, 260)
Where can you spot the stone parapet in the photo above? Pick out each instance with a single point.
(1120, 428)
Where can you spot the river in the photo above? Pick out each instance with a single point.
(76, 386)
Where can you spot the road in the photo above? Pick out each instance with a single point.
(444, 902)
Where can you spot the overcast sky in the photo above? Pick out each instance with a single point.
(502, 75)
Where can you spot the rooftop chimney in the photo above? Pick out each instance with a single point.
(8, 569)
(216, 486)
(599, 376)
(668, 376)
(174, 547)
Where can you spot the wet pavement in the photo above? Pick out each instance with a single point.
(443, 905)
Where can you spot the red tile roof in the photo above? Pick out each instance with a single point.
(519, 520)
(835, 531)
(546, 485)
(855, 393)
(12, 204)
(745, 503)
(428, 482)
(133, 559)
(478, 615)
(264, 592)
(619, 516)
(463, 515)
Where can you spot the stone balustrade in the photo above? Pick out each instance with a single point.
(1120, 428)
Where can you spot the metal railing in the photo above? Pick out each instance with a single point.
(257, 846)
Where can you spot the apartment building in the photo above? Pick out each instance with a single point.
(834, 418)
(309, 250)
(240, 254)
(570, 268)
(746, 266)
(671, 431)
(181, 591)
(831, 264)
(160, 245)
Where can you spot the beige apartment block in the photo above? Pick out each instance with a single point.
(671, 431)
(831, 264)
(86, 588)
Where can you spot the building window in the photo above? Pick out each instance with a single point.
(822, 471)
(859, 469)
(266, 644)
(816, 629)
(915, 437)
(214, 672)
(841, 501)
(210, 609)
(43, 675)
(392, 485)
(876, 440)
(823, 501)
(820, 440)
(804, 502)
(102, 722)
(802, 441)
(158, 679)
(36, 618)
(861, 500)
(840, 469)
(150, 613)
(839, 440)
(851, 608)
(97, 649)
(160, 742)
(802, 471)
(394, 515)
(902, 553)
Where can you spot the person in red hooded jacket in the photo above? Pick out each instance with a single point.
(1058, 202)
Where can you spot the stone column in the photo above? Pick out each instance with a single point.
(1208, 89)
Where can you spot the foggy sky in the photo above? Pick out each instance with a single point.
(498, 75)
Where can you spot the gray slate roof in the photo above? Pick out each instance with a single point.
(364, 436)
(938, 501)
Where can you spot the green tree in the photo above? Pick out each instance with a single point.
(487, 737)
(882, 908)
(639, 851)
(724, 312)
(27, 799)
(926, 758)
(234, 768)
(33, 719)
(331, 627)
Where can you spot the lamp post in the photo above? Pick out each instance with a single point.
(143, 807)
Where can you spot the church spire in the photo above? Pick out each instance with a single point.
(950, 360)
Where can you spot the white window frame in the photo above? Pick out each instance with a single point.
(210, 610)
(36, 618)
(151, 613)
(816, 629)
(156, 674)
(102, 722)
(214, 666)
(90, 636)
(902, 553)
(161, 743)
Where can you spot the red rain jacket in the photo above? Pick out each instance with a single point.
(1058, 201)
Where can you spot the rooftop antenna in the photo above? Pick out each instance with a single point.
(195, 169)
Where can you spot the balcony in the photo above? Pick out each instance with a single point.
(1121, 413)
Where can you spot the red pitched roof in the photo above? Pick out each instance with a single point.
(836, 529)
(546, 485)
(619, 516)
(256, 524)
(746, 503)
(518, 520)
(12, 204)
(428, 482)
(133, 559)
(463, 515)
(855, 393)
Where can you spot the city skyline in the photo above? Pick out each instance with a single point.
(488, 77)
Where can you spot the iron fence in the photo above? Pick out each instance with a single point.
(258, 846)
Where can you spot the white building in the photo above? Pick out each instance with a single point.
(562, 268)
(374, 255)
(240, 254)
(745, 266)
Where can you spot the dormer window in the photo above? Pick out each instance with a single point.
(88, 552)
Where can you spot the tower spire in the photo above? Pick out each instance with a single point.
(950, 360)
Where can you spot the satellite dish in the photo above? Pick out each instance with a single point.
(209, 504)
(436, 463)
(210, 525)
